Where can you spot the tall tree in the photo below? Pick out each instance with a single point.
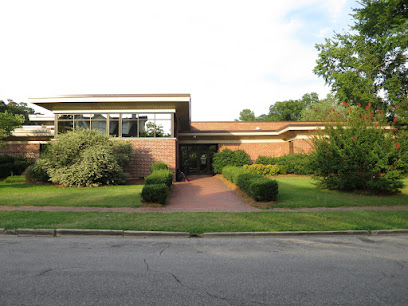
(17, 109)
(246, 115)
(369, 64)
(8, 122)
(319, 110)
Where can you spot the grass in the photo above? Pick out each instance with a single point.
(18, 194)
(208, 222)
(300, 191)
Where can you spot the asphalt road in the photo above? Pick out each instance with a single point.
(237, 271)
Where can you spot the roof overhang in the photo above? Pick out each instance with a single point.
(180, 103)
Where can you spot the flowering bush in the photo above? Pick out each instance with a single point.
(359, 150)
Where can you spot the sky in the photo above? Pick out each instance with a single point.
(229, 55)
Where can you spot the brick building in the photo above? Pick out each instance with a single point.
(159, 128)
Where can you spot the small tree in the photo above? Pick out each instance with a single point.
(8, 122)
(360, 150)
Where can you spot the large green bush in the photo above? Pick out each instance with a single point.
(228, 157)
(84, 158)
(13, 165)
(258, 187)
(360, 150)
(160, 177)
(155, 193)
(294, 164)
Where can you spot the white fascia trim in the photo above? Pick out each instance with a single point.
(142, 138)
(115, 111)
(231, 141)
(109, 99)
(257, 133)
(28, 142)
(40, 118)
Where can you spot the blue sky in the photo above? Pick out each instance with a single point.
(228, 54)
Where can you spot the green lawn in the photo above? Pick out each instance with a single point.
(208, 222)
(50, 195)
(301, 191)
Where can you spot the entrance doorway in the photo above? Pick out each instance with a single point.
(197, 159)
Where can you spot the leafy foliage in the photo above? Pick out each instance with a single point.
(228, 157)
(369, 64)
(84, 158)
(360, 150)
(162, 176)
(258, 187)
(13, 165)
(37, 172)
(260, 169)
(155, 193)
(293, 164)
(8, 122)
(17, 109)
(158, 166)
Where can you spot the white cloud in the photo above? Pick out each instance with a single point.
(222, 52)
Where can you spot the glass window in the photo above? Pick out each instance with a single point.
(64, 126)
(163, 128)
(129, 125)
(98, 122)
(146, 125)
(114, 125)
(83, 121)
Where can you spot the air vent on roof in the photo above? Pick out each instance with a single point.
(257, 128)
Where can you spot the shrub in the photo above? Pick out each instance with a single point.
(258, 187)
(160, 177)
(155, 193)
(232, 173)
(260, 169)
(37, 172)
(295, 163)
(356, 151)
(263, 189)
(14, 179)
(158, 166)
(13, 165)
(85, 158)
(228, 157)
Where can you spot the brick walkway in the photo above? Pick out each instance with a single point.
(205, 193)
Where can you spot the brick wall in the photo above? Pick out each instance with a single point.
(256, 149)
(31, 150)
(148, 151)
(301, 146)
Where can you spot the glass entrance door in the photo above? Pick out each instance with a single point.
(197, 159)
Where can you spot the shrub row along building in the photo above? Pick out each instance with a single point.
(159, 127)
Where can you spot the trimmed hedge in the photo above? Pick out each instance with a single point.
(296, 163)
(258, 187)
(160, 177)
(158, 166)
(155, 193)
(157, 184)
(37, 172)
(265, 169)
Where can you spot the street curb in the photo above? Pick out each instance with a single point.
(87, 232)
(35, 232)
(162, 234)
(155, 234)
(389, 232)
(283, 233)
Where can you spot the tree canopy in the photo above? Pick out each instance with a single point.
(17, 109)
(369, 63)
(8, 122)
